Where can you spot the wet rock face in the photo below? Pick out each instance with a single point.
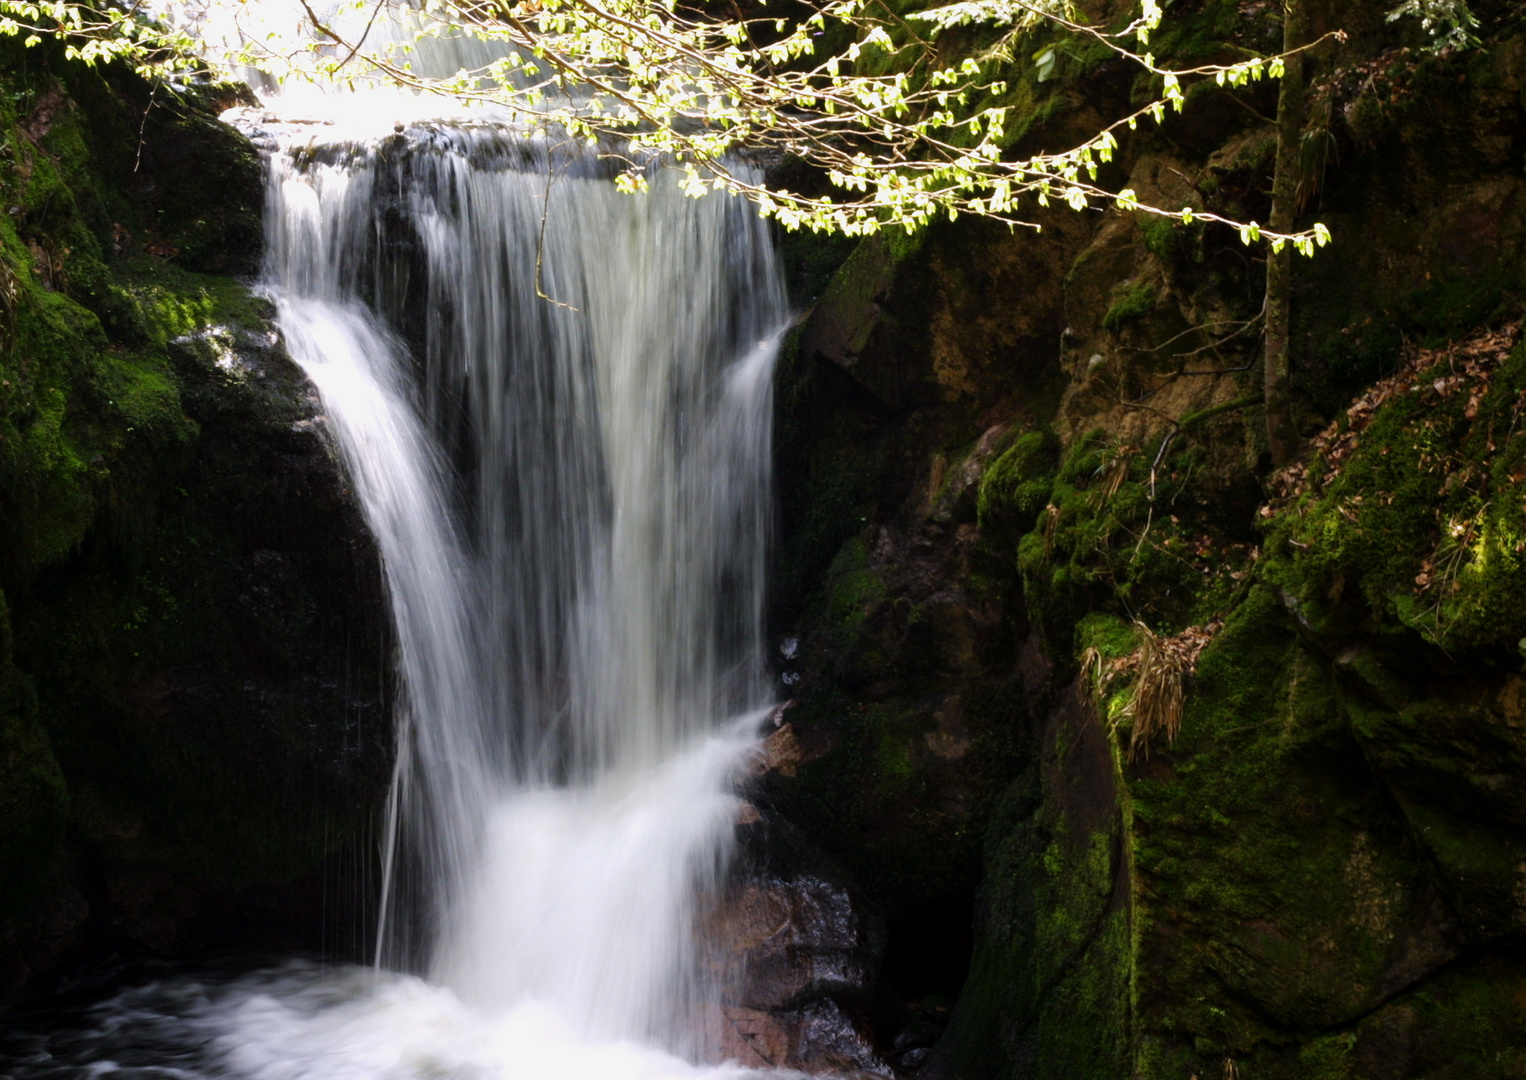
(800, 950)
(819, 1038)
(801, 926)
(802, 938)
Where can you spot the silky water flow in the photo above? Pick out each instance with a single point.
(554, 402)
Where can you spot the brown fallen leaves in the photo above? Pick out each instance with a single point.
(1470, 368)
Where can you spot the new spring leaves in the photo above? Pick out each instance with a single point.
(906, 127)
(907, 122)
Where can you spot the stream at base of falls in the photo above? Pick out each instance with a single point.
(303, 1020)
(554, 402)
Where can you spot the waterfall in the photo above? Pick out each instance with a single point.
(554, 403)
(554, 400)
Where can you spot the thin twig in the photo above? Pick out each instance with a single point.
(540, 242)
(364, 34)
(143, 126)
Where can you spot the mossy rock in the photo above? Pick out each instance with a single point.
(1278, 892)
(1014, 488)
(198, 704)
(1418, 525)
(1102, 544)
(1133, 302)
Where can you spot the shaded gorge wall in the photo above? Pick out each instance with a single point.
(194, 684)
(1012, 465)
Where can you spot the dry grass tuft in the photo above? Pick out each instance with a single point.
(1160, 668)
(1156, 708)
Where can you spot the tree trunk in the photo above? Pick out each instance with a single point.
(1279, 264)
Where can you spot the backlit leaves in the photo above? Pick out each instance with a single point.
(904, 131)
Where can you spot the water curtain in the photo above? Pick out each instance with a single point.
(554, 400)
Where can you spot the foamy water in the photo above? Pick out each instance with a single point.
(305, 1021)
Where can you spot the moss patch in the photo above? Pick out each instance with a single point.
(1135, 302)
(1419, 522)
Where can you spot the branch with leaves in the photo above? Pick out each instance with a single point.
(96, 34)
(904, 134)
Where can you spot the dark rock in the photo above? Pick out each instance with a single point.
(800, 952)
(800, 938)
(913, 1058)
(827, 1039)
(195, 732)
(799, 926)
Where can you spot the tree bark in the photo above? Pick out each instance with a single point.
(1281, 433)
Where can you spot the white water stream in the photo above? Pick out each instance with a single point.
(554, 401)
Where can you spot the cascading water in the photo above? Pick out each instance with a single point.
(555, 403)
(596, 368)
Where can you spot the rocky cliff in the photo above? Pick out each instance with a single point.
(194, 732)
(1159, 762)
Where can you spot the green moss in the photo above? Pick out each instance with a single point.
(868, 801)
(85, 423)
(852, 586)
(1465, 1021)
(1014, 488)
(1101, 544)
(142, 390)
(1193, 420)
(1111, 636)
(1135, 302)
(1454, 302)
(176, 593)
(1420, 524)
(1468, 1022)
(1199, 31)
(1328, 1058)
(1161, 235)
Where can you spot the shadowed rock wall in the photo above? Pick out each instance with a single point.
(194, 678)
(1025, 487)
